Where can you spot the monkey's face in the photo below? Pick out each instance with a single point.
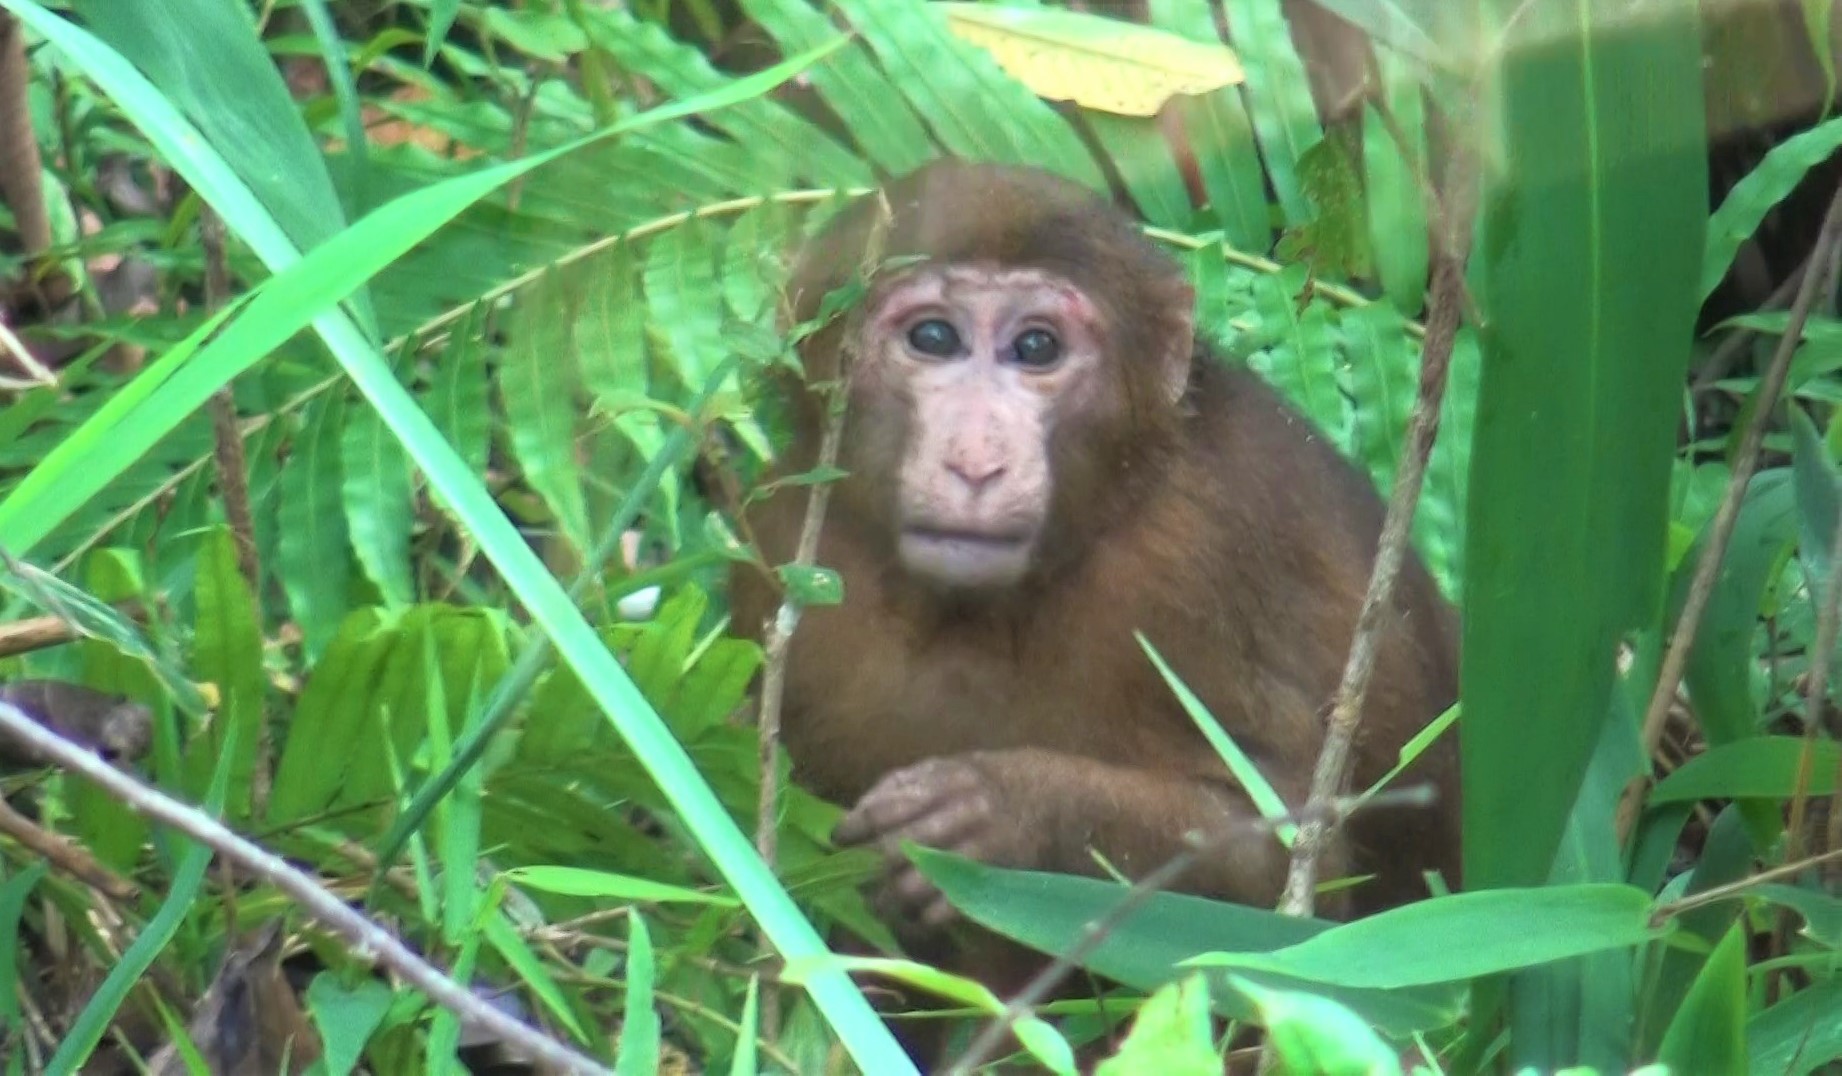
(964, 374)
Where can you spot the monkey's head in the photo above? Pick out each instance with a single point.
(1028, 346)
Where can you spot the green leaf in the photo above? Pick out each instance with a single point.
(1171, 1034)
(1508, 928)
(228, 649)
(1222, 139)
(976, 110)
(1719, 674)
(540, 404)
(1770, 182)
(851, 85)
(1049, 912)
(379, 498)
(458, 398)
(1709, 1031)
(1585, 273)
(313, 566)
(578, 882)
(811, 585)
(1396, 207)
(1314, 1034)
(1278, 98)
(347, 1016)
(1799, 1034)
(639, 1027)
(1762, 767)
(1240, 766)
(1818, 500)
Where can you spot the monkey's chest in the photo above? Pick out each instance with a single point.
(851, 719)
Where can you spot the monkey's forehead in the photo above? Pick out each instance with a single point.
(978, 284)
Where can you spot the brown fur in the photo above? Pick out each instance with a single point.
(1223, 527)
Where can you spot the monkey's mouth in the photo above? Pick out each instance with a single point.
(966, 558)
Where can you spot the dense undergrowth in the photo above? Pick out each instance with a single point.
(502, 279)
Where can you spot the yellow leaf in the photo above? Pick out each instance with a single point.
(1095, 62)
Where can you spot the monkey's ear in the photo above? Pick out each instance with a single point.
(1180, 345)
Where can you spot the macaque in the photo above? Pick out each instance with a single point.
(1042, 460)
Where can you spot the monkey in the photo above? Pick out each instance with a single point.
(1041, 457)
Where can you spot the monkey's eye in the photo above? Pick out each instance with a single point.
(1037, 349)
(934, 337)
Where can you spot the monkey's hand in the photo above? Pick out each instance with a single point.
(954, 804)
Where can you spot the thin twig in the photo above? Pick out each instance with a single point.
(368, 940)
(232, 466)
(65, 856)
(1452, 240)
(40, 632)
(1670, 909)
(1720, 532)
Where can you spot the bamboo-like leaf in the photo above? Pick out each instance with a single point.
(228, 650)
(1585, 270)
(1798, 1035)
(639, 1030)
(851, 86)
(1762, 767)
(1440, 523)
(1719, 674)
(379, 499)
(539, 394)
(1773, 178)
(314, 568)
(1104, 64)
(752, 265)
(1278, 98)
(972, 106)
(1709, 1032)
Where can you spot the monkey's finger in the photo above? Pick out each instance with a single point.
(894, 804)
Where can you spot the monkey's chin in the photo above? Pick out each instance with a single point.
(965, 559)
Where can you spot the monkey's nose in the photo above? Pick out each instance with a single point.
(976, 474)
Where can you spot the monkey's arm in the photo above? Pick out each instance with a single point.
(1038, 809)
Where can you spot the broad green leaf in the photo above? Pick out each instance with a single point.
(334, 707)
(1585, 275)
(531, 968)
(1719, 675)
(1142, 156)
(1799, 1034)
(1709, 1032)
(1109, 65)
(1509, 929)
(346, 1017)
(1313, 1034)
(1726, 856)
(539, 394)
(378, 494)
(1762, 767)
(1770, 181)
(227, 644)
(639, 1026)
(1821, 912)
(1049, 912)
(1818, 500)
(315, 567)
(206, 58)
(1303, 363)
(458, 399)
(1171, 1034)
